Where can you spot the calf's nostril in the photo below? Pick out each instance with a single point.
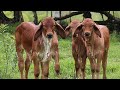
(49, 36)
(87, 34)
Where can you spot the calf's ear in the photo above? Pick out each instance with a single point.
(78, 30)
(60, 30)
(97, 31)
(39, 32)
(67, 30)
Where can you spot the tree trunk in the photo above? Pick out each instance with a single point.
(35, 17)
(18, 16)
(102, 17)
(87, 14)
(113, 14)
(51, 14)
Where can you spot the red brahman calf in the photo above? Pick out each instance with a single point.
(78, 48)
(40, 43)
(97, 43)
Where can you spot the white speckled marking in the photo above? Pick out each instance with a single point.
(46, 53)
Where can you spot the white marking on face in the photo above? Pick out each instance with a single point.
(47, 45)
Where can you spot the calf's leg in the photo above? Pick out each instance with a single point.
(19, 50)
(104, 64)
(45, 69)
(57, 64)
(27, 64)
(36, 65)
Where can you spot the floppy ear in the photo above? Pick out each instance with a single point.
(60, 30)
(67, 30)
(97, 31)
(78, 30)
(39, 32)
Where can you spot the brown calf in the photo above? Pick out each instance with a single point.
(78, 49)
(97, 43)
(40, 42)
(23, 36)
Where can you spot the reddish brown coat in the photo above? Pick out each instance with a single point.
(34, 38)
(97, 43)
(78, 48)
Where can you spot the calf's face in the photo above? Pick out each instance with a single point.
(87, 27)
(48, 26)
(71, 27)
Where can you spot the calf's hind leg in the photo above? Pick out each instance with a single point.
(19, 50)
(27, 63)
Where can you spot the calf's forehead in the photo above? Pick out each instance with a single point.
(88, 22)
(74, 24)
(49, 22)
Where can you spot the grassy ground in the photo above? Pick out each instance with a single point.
(8, 58)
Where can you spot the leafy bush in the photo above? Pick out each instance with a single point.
(115, 37)
(8, 57)
(8, 28)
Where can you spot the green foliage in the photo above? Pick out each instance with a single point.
(9, 14)
(115, 37)
(8, 58)
(8, 28)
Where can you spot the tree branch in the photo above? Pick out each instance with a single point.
(69, 15)
(106, 13)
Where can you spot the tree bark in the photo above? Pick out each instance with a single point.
(35, 17)
(70, 17)
(102, 17)
(18, 16)
(87, 14)
(51, 14)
